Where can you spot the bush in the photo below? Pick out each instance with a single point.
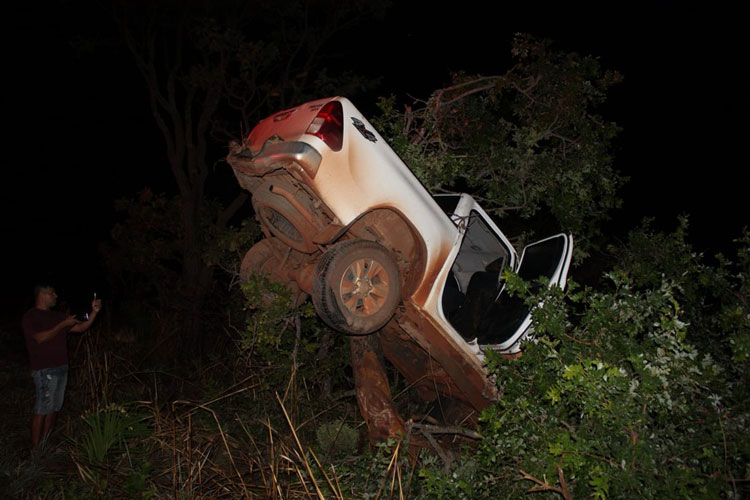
(617, 395)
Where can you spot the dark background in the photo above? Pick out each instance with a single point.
(78, 132)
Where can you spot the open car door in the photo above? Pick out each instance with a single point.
(508, 319)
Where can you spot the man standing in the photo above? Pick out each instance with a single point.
(46, 333)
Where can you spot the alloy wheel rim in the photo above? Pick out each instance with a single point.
(364, 287)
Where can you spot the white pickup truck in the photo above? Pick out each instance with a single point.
(349, 224)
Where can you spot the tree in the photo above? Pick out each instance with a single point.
(525, 143)
(199, 68)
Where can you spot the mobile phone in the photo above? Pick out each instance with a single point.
(82, 317)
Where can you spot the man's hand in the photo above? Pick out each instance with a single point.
(96, 306)
(69, 321)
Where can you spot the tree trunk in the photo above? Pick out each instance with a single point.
(196, 277)
(374, 391)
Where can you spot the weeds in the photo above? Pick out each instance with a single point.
(108, 430)
(223, 433)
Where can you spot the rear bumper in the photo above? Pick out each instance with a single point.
(275, 156)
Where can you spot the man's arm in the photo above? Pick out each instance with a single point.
(84, 325)
(96, 306)
(46, 335)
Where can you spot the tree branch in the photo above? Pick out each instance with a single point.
(545, 486)
(223, 219)
(436, 429)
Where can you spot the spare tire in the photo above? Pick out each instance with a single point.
(357, 287)
(281, 218)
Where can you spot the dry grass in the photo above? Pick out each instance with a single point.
(241, 442)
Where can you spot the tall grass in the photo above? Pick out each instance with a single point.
(242, 441)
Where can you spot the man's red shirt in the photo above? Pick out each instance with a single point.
(48, 354)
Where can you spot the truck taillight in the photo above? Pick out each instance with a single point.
(329, 125)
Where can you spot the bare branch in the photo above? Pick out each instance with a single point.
(231, 209)
(437, 429)
(545, 486)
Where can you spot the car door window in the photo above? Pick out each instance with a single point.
(507, 318)
(474, 281)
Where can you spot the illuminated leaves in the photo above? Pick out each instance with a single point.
(524, 143)
(619, 391)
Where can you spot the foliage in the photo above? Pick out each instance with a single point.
(337, 439)
(637, 389)
(144, 262)
(617, 396)
(717, 295)
(229, 244)
(280, 62)
(282, 334)
(143, 255)
(272, 312)
(208, 78)
(612, 399)
(108, 430)
(136, 483)
(382, 472)
(526, 142)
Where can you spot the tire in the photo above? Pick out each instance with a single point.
(357, 287)
(281, 218)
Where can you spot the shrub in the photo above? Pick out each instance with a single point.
(616, 396)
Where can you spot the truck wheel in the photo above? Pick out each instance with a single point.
(282, 219)
(356, 287)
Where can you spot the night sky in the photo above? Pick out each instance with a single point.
(78, 131)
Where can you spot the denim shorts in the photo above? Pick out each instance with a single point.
(50, 389)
